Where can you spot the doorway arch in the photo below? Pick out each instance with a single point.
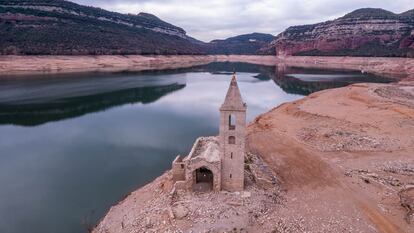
(203, 180)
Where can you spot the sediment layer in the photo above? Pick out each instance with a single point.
(12, 65)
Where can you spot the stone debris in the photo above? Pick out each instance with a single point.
(185, 211)
(399, 167)
(327, 139)
(261, 207)
(259, 172)
(397, 177)
(208, 148)
(399, 94)
(179, 211)
(284, 225)
(367, 177)
(246, 194)
(407, 201)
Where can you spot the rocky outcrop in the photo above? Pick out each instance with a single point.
(364, 32)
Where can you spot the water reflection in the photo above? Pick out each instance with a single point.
(94, 137)
(303, 81)
(40, 100)
(37, 102)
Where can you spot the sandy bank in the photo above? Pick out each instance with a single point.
(15, 65)
(338, 171)
(11, 65)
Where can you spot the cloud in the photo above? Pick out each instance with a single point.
(218, 19)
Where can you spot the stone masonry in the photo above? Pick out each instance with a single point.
(217, 163)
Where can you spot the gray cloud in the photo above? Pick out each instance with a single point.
(217, 19)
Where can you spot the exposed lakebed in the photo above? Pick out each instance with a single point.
(73, 145)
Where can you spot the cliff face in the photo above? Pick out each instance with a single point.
(63, 27)
(364, 32)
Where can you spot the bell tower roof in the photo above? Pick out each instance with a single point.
(233, 100)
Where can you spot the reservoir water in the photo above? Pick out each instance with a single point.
(73, 145)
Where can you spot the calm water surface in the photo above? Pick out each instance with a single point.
(73, 145)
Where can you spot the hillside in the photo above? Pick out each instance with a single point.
(43, 27)
(242, 44)
(363, 32)
(58, 27)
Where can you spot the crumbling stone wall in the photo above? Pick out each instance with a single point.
(197, 163)
(178, 169)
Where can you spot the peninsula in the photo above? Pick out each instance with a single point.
(336, 160)
(307, 168)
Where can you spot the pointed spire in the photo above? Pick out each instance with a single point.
(233, 100)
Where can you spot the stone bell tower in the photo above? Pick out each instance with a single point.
(232, 138)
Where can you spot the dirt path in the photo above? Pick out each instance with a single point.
(294, 164)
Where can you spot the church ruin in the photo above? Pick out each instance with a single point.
(217, 163)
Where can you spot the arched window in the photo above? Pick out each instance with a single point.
(232, 140)
(231, 155)
(232, 122)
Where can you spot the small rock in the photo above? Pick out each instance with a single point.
(180, 211)
(407, 201)
(234, 203)
(246, 194)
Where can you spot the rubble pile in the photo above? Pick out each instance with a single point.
(369, 177)
(407, 201)
(329, 139)
(181, 210)
(397, 177)
(399, 167)
(402, 95)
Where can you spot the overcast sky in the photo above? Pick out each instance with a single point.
(218, 19)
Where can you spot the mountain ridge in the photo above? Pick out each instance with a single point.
(59, 27)
(363, 32)
(241, 44)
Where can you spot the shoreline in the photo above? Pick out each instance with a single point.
(355, 160)
(400, 68)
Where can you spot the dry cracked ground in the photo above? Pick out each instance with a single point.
(339, 160)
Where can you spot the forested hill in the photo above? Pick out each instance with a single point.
(65, 28)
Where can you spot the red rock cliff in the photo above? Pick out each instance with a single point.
(364, 32)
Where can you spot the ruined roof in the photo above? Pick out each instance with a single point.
(233, 100)
(206, 148)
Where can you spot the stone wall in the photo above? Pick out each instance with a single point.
(197, 163)
(232, 155)
(178, 169)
